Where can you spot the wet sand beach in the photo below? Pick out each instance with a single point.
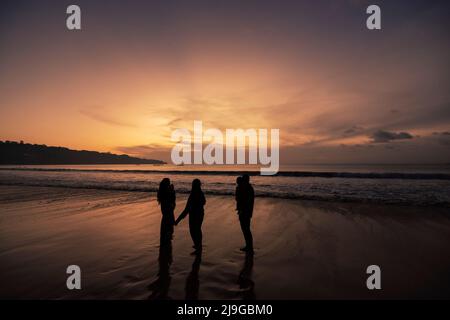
(303, 249)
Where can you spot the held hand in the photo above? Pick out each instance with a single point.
(180, 217)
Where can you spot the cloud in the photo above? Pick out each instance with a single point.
(173, 122)
(382, 136)
(101, 117)
(353, 130)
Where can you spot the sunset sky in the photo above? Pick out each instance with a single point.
(338, 92)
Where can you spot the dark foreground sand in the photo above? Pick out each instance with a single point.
(304, 250)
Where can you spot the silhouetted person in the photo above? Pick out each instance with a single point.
(160, 287)
(194, 207)
(245, 199)
(166, 199)
(238, 193)
(192, 281)
(245, 281)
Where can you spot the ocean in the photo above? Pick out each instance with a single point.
(423, 185)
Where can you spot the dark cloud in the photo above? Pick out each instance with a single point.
(382, 136)
(353, 130)
(355, 146)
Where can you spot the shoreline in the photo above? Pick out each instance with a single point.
(281, 173)
(260, 195)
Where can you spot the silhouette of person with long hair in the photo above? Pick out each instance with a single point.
(192, 282)
(245, 199)
(166, 199)
(194, 207)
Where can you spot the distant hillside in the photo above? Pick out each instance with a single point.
(24, 153)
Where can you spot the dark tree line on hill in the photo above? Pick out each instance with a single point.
(12, 152)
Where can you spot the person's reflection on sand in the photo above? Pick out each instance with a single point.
(246, 284)
(192, 281)
(160, 287)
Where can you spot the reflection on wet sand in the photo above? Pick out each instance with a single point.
(245, 282)
(192, 280)
(160, 287)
